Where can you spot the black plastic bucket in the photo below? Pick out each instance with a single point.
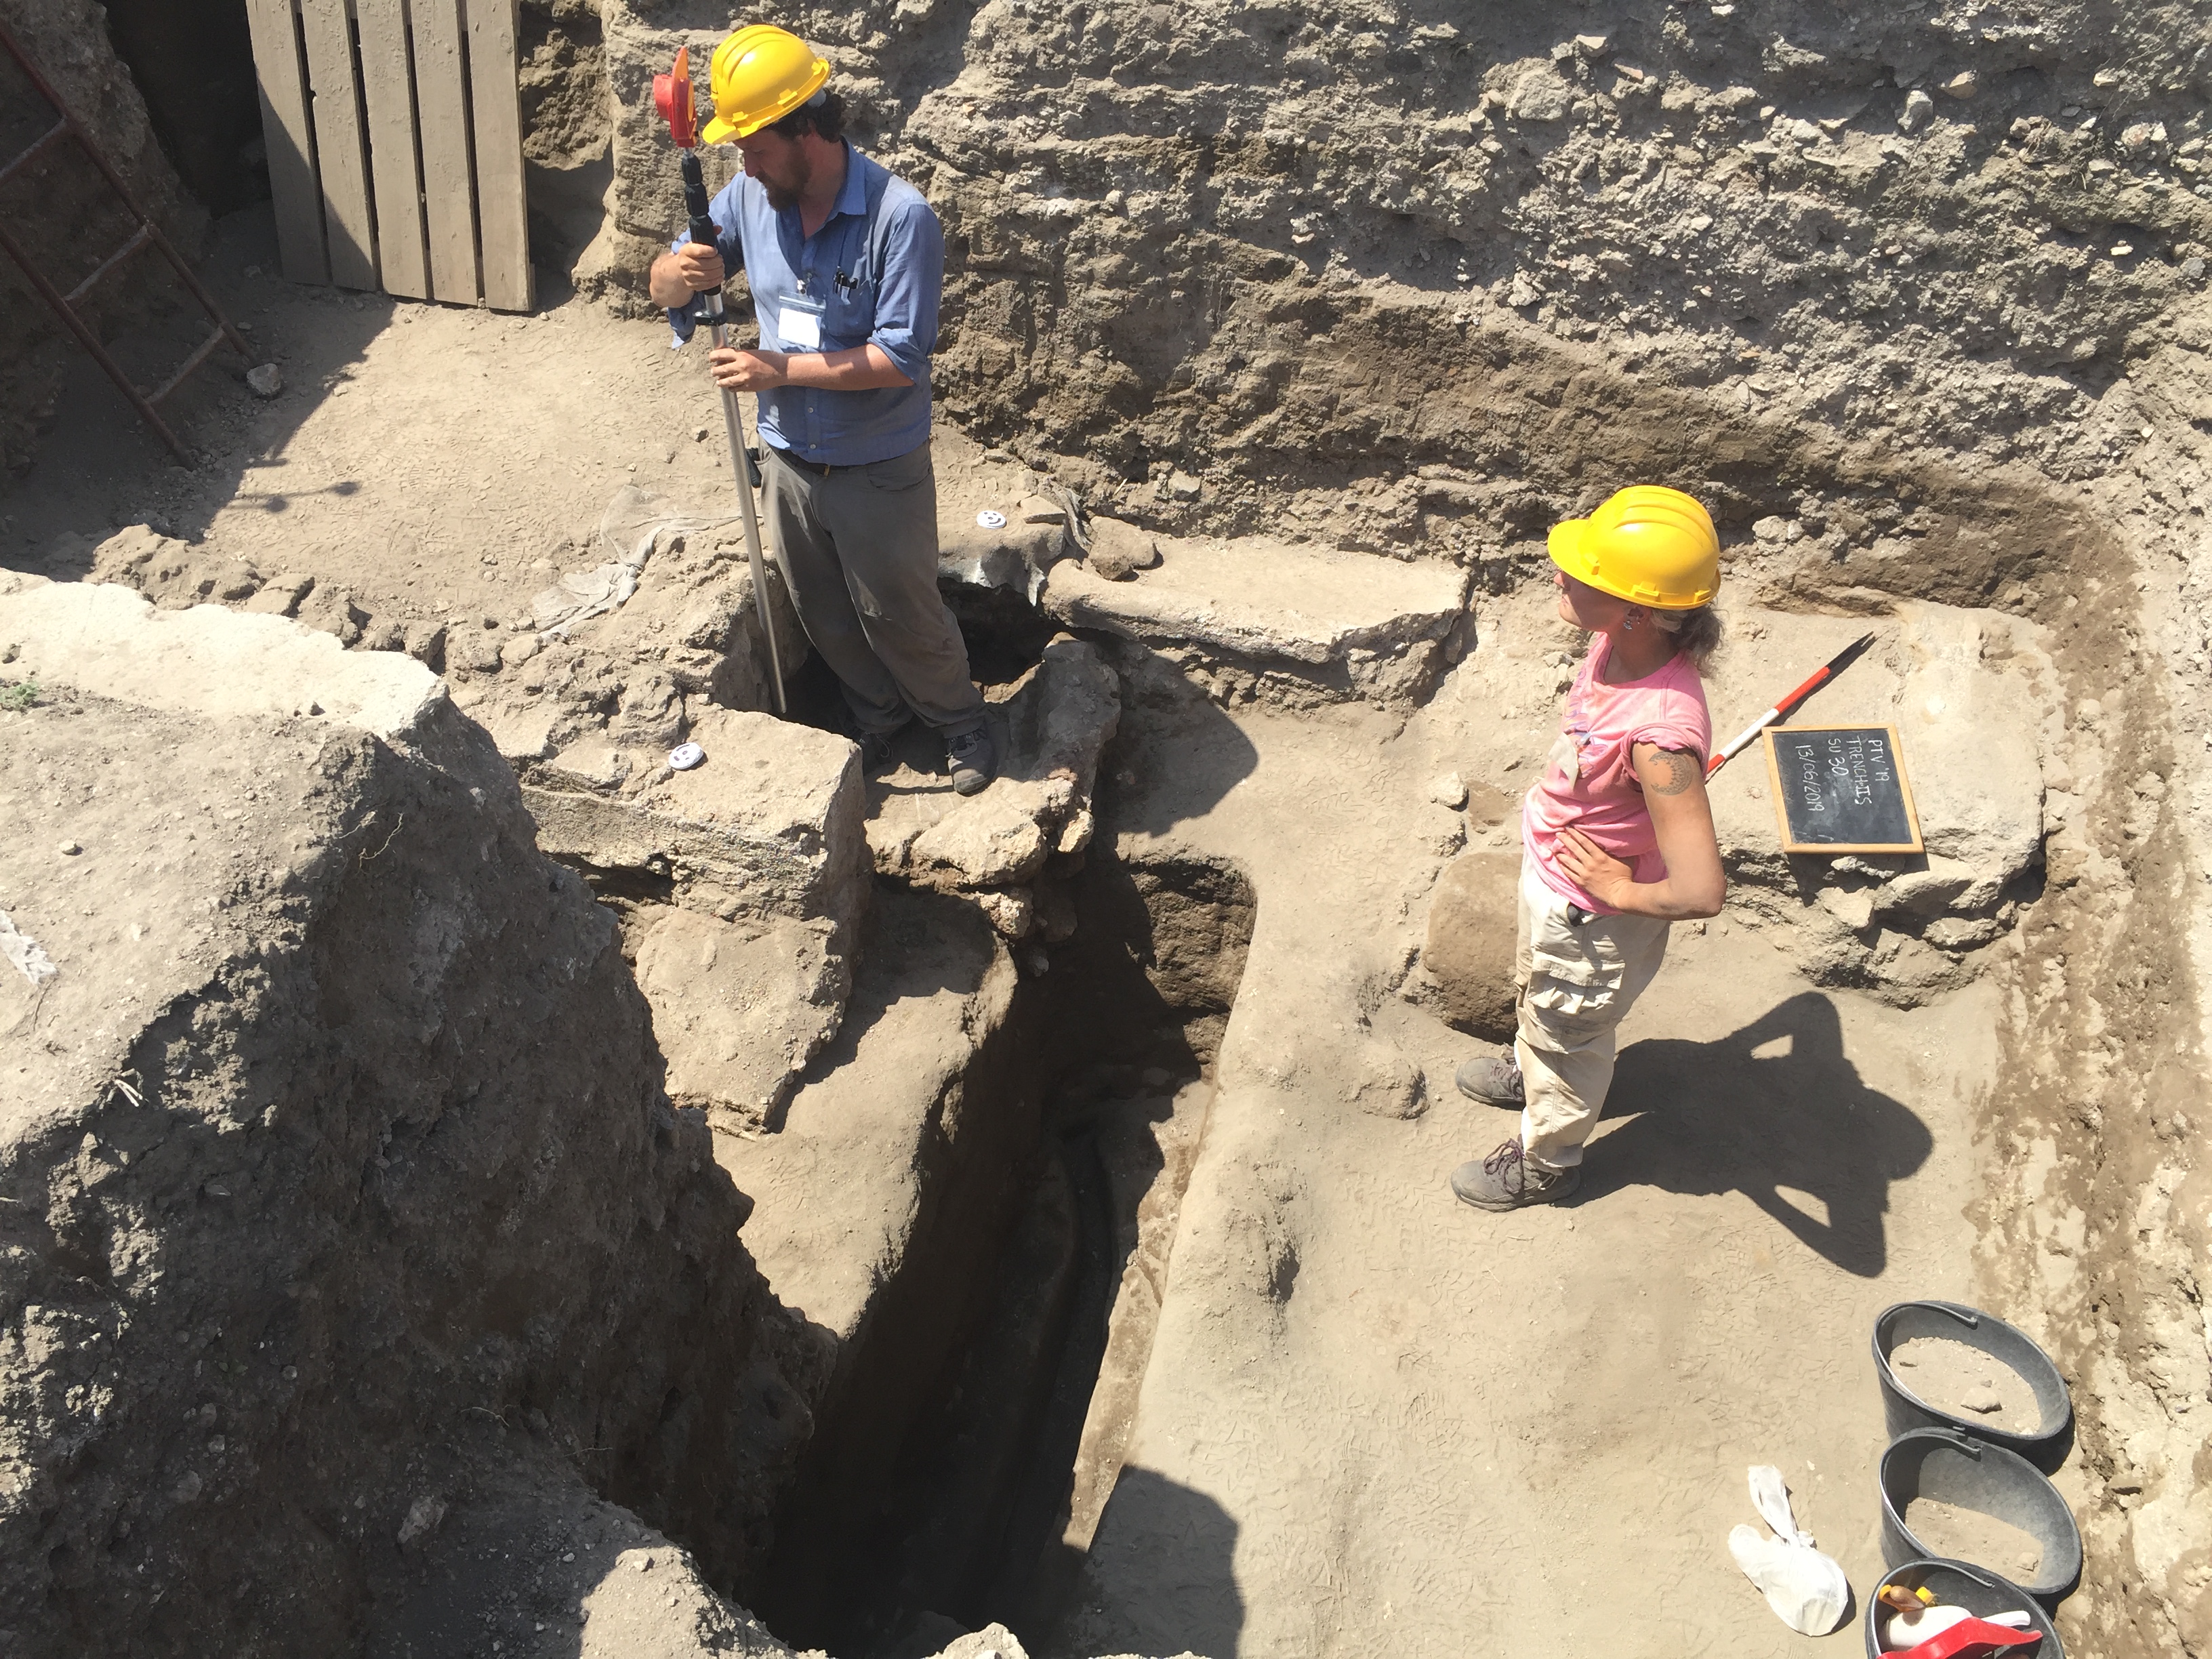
(1959, 1584)
(1958, 1469)
(1903, 1410)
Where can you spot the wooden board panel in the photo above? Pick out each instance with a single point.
(387, 87)
(502, 213)
(441, 103)
(341, 158)
(288, 134)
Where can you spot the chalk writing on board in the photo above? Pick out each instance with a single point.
(1841, 788)
(1808, 757)
(1857, 761)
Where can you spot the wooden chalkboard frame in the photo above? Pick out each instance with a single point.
(1774, 734)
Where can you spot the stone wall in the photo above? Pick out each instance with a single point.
(1284, 248)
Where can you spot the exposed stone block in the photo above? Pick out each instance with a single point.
(1469, 948)
(1349, 623)
(769, 826)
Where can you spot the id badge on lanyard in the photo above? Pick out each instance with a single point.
(798, 321)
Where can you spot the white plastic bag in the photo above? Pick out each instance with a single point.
(1807, 1590)
(636, 522)
(25, 953)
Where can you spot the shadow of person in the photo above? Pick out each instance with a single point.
(1159, 1576)
(1722, 1116)
(1178, 753)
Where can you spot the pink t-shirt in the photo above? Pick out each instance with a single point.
(1589, 783)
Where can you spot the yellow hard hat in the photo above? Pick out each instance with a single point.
(1648, 545)
(761, 73)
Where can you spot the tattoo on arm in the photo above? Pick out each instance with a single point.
(1679, 766)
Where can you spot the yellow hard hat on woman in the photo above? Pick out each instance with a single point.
(760, 74)
(1648, 545)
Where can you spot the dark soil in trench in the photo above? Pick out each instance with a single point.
(963, 1526)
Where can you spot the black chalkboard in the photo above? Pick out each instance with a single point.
(1841, 789)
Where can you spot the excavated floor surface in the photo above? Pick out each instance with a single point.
(1372, 1409)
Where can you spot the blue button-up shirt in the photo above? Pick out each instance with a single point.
(877, 266)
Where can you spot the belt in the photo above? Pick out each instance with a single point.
(819, 469)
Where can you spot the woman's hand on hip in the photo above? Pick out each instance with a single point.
(1594, 870)
(1674, 781)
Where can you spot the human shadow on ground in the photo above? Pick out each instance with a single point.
(1716, 1117)
(1160, 1576)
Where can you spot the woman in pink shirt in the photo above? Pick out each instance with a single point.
(1617, 837)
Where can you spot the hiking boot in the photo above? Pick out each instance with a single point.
(974, 759)
(1508, 1179)
(1495, 1081)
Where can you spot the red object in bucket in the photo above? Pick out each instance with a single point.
(1970, 1638)
(672, 96)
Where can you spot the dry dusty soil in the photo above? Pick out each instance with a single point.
(468, 1189)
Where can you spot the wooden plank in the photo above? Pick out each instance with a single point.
(442, 105)
(289, 135)
(403, 259)
(341, 158)
(502, 208)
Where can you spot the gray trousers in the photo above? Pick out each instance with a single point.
(859, 548)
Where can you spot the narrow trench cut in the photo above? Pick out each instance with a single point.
(981, 1512)
(974, 1426)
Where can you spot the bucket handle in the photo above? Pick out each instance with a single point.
(1965, 1443)
(1966, 1317)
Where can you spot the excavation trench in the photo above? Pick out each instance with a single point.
(457, 1130)
(937, 1450)
(980, 1394)
(980, 1403)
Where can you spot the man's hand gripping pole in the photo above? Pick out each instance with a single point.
(671, 96)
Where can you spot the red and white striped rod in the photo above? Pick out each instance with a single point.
(1820, 676)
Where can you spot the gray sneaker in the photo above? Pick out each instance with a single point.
(1508, 1179)
(974, 759)
(1495, 1081)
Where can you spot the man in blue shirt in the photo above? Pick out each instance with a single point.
(846, 265)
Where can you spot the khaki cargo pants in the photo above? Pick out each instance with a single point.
(1577, 983)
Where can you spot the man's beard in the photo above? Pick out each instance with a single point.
(783, 194)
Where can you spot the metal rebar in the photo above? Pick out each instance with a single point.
(38, 148)
(200, 355)
(105, 266)
(115, 181)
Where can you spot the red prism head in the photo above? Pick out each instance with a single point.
(672, 96)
